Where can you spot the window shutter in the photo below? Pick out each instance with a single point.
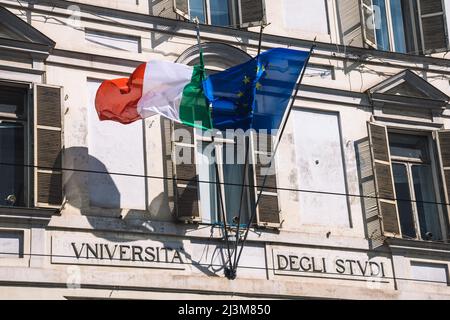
(368, 18)
(186, 178)
(368, 190)
(384, 180)
(169, 183)
(443, 144)
(252, 13)
(164, 9)
(47, 146)
(433, 26)
(181, 7)
(268, 210)
(349, 18)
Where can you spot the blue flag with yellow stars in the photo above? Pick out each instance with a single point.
(255, 94)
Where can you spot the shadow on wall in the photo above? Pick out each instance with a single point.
(79, 183)
(161, 8)
(89, 191)
(90, 188)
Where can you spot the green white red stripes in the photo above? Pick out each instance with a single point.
(169, 89)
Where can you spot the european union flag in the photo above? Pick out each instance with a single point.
(255, 94)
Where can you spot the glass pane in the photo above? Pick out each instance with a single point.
(398, 25)
(411, 27)
(206, 172)
(12, 100)
(233, 174)
(408, 146)
(12, 186)
(220, 15)
(404, 200)
(381, 26)
(197, 9)
(427, 212)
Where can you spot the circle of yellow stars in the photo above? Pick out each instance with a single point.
(260, 70)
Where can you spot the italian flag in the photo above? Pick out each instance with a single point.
(169, 89)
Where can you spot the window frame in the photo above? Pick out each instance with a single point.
(219, 144)
(416, 21)
(437, 184)
(234, 12)
(27, 120)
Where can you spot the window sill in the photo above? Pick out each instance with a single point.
(23, 213)
(418, 245)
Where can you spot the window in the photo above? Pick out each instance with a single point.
(231, 173)
(414, 186)
(219, 12)
(406, 26)
(30, 146)
(13, 146)
(408, 184)
(242, 13)
(190, 159)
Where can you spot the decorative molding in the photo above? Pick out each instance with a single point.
(215, 54)
(409, 99)
(26, 34)
(426, 94)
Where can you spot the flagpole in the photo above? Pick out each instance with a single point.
(228, 271)
(275, 150)
(244, 178)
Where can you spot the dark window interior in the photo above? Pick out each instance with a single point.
(12, 146)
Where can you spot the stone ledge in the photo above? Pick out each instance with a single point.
(20, 214)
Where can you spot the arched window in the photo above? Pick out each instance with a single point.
(200, 202)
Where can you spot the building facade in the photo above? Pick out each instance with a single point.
(356, 208)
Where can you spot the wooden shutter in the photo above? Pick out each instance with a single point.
(368, 190)
(433, 26)
(48, 146)
(384, 180)
(268, 210)
(169, 184)
(349, 18)
(252, 13)
(443, 144)
(181, 7)
(164, 8)
(186, 178)
(368, 22)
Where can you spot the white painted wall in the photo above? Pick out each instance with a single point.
(429, 272)
(113, 40)
(11, 244)
(117, 148)
(305, 15)
(320, 168)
